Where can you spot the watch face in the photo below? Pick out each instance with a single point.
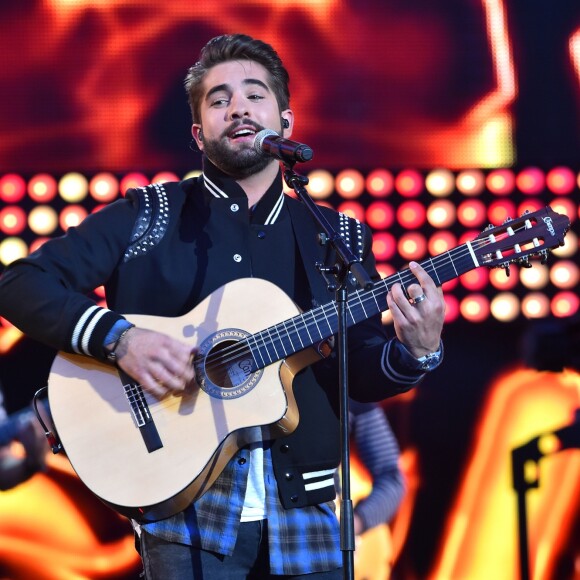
(430, 361)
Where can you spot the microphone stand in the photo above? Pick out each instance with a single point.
(347, 262)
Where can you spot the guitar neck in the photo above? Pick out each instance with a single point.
(302, 331)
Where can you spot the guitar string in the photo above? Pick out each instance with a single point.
(363, 296)
(228, 354)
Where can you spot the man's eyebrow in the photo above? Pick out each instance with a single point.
(227, 88)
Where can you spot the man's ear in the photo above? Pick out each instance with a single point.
(286, 123)
(197, 134)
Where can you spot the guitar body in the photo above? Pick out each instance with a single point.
(199, 432)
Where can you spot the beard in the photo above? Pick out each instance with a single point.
(236, 164)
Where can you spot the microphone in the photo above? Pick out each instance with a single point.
(268, 142)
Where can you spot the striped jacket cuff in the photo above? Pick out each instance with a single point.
(90, 331)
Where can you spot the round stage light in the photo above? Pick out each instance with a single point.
(411, 215)
(349, 183)
(565, 304)
(451, 308)
(501, 210)
(384, 246)
(37, 243)
(385, 270)
(570, 247)
(450, 285)
(12, 188)
(441, 242)
(42, 188)
(536, 277)
(530, 205)
(72, 216)
(565, 274)
(164, 177)
(505, 307)
(561, 180)
(501, 181)
(352, 209)
(412, 246)
(12, 248)
(440, 183)
(132, 180)
(12, 220)
(409, 183)
(471, 213)
(536, 305)
(475, 279)
(104, 187)
(441, 213)
(564, 205)
(531, 180)
(470, 182)
(474, 308)
(379, 183)
(380, 215)
(73, 187)
(43, 220)
(320, 184)
(499, 279)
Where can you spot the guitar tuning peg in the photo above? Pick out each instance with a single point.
(488, 227)
(507, 270)
(507, 220)
(525, 263)
(544, 256)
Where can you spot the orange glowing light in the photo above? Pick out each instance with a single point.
(164, 177)
(451, 308)
(320, 184)
(12, 220)
(380, 215)
(501, 181)
(475, 279)
(535, 305)
(73, 187)
(500, 280)
(500, 210)
(441, 213)
(412, 246)
(133, 180)
(565, 274)
(531, 180)
(535, 278)
(411, 215)
(409, 183)
(43, 220)
(565, 206)
(104, 187)
(384, 246)
(441, 242)
(352, 209)
(350, 183)
(470, 182)
(379, 183)
(42, 188)
(505, 307)
(72, 216)
(521, 405)
(530, 205)
(440, 182)
(475, 308)
(471, 213)
(565, 304)
(561, 180)
(12, 188)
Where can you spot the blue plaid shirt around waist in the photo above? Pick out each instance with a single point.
(301, 541)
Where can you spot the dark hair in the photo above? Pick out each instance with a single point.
(236, 47)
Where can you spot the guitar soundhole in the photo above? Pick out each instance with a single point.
(226, 365)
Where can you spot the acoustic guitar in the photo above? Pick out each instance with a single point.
(149, 458)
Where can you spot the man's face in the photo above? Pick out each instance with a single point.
(237, 103)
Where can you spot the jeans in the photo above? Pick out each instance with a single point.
(170, 561)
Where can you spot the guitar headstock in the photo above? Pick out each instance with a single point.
(517, 240)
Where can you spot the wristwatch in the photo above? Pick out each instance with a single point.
(430, 361)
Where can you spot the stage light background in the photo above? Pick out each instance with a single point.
(429, 95)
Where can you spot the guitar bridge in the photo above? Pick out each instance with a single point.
(142, 415)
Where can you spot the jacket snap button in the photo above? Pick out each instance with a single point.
(289, 476)
(284, 448)
(293, 498)
(237, 258)
(234, 207)
(242, 460)
(261, 235)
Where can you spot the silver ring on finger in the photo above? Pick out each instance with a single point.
(419, 299)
